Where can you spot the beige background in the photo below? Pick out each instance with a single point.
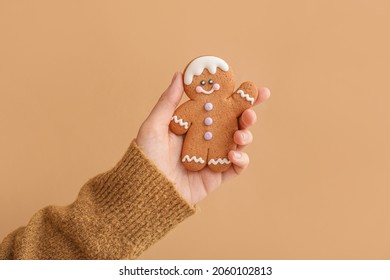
(77, 78)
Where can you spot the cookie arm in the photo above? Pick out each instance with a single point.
(180, 123)
(244, 97)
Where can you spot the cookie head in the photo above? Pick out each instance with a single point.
(208, 77)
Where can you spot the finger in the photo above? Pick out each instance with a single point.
(162, 112)
(247, 119)
(242, 137)
(264, 94)
(240, 161)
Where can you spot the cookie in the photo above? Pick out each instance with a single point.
(210, 118)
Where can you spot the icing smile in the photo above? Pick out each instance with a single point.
(199, 89)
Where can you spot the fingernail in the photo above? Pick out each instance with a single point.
(267, 93)
(244, 136)
(237, 155)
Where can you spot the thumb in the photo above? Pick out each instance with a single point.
(162, 112)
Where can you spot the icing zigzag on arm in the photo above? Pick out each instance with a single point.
(181, 122)
(194, 158)
(219, 160)
(246, 96)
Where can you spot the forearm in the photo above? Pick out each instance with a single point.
(117, 215)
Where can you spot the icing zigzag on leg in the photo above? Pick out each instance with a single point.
(219, 161)
(194, 158)
(246, 96)
(181, 122)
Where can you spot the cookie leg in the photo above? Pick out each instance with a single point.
(218, 160)
(194, 157)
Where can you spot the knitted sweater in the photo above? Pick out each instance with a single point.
(117, 215)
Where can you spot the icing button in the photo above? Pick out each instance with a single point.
(208, 135)
(208, 121)
(208, 106)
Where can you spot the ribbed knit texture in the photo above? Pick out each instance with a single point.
(117, 215)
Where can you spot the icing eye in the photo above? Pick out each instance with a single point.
(203, 82)
(211, 82)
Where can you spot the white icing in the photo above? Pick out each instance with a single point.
(197, 66)
(194, 158)
(181, 122)
(246, 96)
(199, 89)
(219, 161)
(207, 91)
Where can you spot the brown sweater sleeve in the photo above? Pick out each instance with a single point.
(117, 215)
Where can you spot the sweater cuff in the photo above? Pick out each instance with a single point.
(139, 202)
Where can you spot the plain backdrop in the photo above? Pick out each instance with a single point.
(77, 79)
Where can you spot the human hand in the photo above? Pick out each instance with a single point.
(164, 147)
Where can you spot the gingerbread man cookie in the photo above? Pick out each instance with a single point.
(210, 118)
